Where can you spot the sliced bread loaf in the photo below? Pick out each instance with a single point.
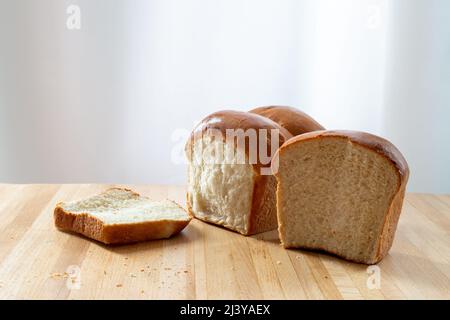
(295, 121)
(341, 192)
(121, 216)
(227, 184)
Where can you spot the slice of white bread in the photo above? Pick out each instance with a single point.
(341, 192)
(119, 216)
(295, 121)
(224, 190)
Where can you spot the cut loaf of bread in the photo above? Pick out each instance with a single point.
(341, 192)
(224, 186)
(121, 216)
(295, 121)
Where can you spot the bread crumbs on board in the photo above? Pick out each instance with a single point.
(59, 275)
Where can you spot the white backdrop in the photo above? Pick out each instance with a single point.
(113, 101)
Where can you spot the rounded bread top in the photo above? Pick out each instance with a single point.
(295, 121)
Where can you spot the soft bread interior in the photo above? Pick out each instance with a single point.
(119, 206)
(220, 185)
(334, 195)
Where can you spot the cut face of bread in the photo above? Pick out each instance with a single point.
(222, 192)
(340, 192)
(121, 216)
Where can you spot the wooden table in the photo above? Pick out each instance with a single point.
(207, 262)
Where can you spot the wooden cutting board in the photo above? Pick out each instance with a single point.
(208, 262)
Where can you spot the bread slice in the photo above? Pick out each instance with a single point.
(119, 216)
(295, 121)
(224, 190)
(341, 192)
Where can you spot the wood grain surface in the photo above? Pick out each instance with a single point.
(207, 262)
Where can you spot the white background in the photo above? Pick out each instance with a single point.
(113, 101)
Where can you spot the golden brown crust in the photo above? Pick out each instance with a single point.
(93, 228)
(387, 150)
(79, 223)
(150, 230)
(292, 119)
(390, 224)
(262, 216)
(264, 205)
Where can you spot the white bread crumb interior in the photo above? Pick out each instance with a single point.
(118, 206)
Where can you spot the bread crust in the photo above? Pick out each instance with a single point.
(384, 148)
(92, 227)
(263, 210)
(295, 121)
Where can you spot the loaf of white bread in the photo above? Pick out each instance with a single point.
(336, 191)
(119, 216)
(228, 192)
(340, 192)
